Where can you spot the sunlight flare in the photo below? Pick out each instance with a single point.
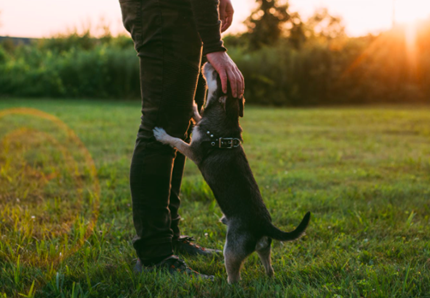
(411, 44)
(409, 11)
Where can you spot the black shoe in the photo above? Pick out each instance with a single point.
(184, 246)
(172, 265)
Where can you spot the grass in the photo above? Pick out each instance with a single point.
(362, 172)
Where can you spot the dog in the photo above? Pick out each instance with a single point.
(216, 148)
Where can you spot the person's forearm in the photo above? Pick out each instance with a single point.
(208, 25)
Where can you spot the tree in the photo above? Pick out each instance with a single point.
(265, 24)
(323, 24)
(297, 31)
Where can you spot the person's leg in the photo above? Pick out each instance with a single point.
(183, 244)
(169, 49)
(175, 202)
(178, 168)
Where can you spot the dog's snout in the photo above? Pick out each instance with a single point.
(208, 67)
(212, 79)
(209, 72)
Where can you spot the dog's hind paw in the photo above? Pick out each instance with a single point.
(161, 135)
(223, 220)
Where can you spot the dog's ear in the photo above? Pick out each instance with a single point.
(241, 105)
(223, 101)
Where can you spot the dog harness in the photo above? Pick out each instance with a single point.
(222, 143)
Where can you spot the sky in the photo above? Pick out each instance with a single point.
(44, 18)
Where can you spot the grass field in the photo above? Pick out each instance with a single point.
(364, 173)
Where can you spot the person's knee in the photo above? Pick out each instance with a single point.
(177, 122)
(150, 152)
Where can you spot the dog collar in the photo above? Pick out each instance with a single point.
(222, 143)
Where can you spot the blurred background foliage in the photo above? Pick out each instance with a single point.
(285, 60)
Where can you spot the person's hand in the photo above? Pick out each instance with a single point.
(227, 70)
(226, 12)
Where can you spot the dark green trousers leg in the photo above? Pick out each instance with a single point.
(178, 168)
(169, 50)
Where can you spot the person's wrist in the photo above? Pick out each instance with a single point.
(213, 49)
(216, 53)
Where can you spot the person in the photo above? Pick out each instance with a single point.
(171, 38)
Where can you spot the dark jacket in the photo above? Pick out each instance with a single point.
(208, 24)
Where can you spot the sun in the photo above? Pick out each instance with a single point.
(407, 14)
(408, 11)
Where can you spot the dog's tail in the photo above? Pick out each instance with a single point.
(275, 233)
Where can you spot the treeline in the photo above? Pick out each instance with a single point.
(73, 66)
(371, 69)
(308, 62)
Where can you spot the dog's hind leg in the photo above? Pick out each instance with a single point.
(264, 252)
(236, 250)
(233, 263)
(162, 136)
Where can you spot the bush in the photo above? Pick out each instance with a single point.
(102, 71)
(322, 71)
(350, 71)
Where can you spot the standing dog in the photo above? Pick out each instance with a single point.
(217, 151)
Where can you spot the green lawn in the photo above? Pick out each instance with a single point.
(364, 173)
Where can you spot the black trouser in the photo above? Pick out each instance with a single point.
(169, 50)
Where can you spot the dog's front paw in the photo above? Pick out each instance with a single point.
(161, 135)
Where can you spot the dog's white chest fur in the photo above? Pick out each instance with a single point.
(196, 134)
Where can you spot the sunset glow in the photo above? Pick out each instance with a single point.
(411, 46)
(408, 11)
(45, 18)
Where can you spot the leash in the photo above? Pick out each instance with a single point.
(222, 143)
